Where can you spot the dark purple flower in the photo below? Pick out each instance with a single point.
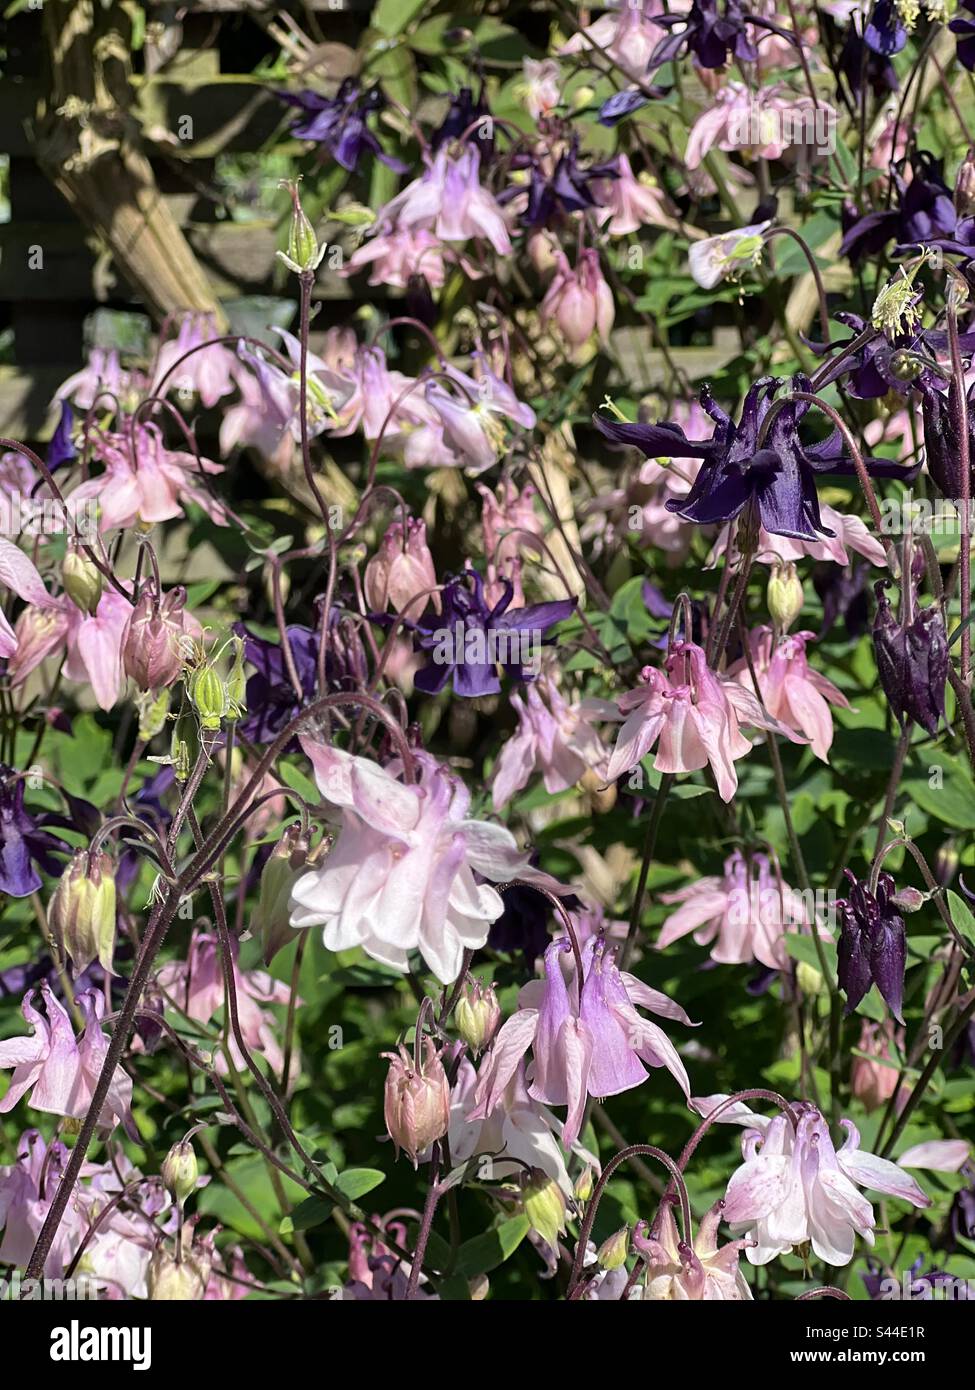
(24, 845)
(844, 595)
(779, 477)
(912, 660)
(965, 28)
(942, 445)
(467, 119)
(61, 448)
(873, 944)
(622, 104)
(712, 31)
(338, 123)
(925, 215)
(272, 701)
(882, 364)
(961, 1218)
(860, 64)
(885, 33)
(469, 640)
(566, 189)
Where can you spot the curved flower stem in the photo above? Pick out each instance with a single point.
(930, 882)
(667, 780)
(634, 1151)
(827, 1291)
(426, 1222)
(702, 1129)
(813, 267)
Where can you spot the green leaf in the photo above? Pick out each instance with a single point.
(392, 16)
(486, 1252)
(952, 797)
(356, 1182)
(961, 915)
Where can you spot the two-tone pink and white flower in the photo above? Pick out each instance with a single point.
(555, 737)
(791, 690)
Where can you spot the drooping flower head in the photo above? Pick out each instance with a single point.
(912, 659)
(339, 124)
(873, 944)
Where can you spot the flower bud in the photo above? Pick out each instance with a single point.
(152, 710)
(544, 1205)
(784, 596)
(417, 1100)
(169, 1281)
(809, 979)
(284, 865)
(180, 1170)
(184, 747)
(401, 570)
(946, 863)
(82, 910)
(477, 1014)
(82, 580)
(912, 662)
(237, 684)
(303, 252)
(208, 694)
(614, 1249)
(155, 639)
(909, 899)
(584, 1185)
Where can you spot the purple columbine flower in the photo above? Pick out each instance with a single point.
(965, 29)
(942, 444)
(468, 640)
(884, 364)
(712, 32)
(272, 701)
(467, 118)
(885, 32)
(61, 449)
(24, 845)
(338, 123)
(925, 215)
(780, 477)
(873, 944)
(566, 189)
(912, 660)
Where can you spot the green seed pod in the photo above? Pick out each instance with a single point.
(185, 744)
(82, 581)
(82, 911)
(209, 696)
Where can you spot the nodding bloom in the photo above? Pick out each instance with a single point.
(790, 690)
(469, 640)
(850, 534)
(578, 301)
(554, 737)
(556, 189)
(197, 987)
(402, 570)
(713, 31)
(885, 33)
(400, 877)
(93, 642)
(449, 200)
(541, 87)
(778, 478)
(693, 716)
(759, 125)
(338, 123)
(628, 202)
(378, 1273)
(942, 441)
(24, 845)
(912, 657)
(417, 1098)
(678, 1272)
(58, 1072)
(964, 27)
(874, 1071)
(27, 1188)
(924, 214)
(209, 372)
(795, 1188)
(726, 256)
(102, 375)
(627, 35)
(144, 481)
(873, 944)
(508, 524)
(743, 915)
(471, 419)
(584, 1042)
(395, 256)
(468, 118)
(18, 573)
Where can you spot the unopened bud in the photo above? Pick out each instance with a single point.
(477, 1015)
(185, 744)
(155, 639)
(170, 1281)
(614, 1250)
(82, 581)
(303, 252)
(82, 910)
(237, 684)
(180, 1170)
(208, 694)
(909, 899)
(946, 863)
(809, 979)
(417, 1100)
(784, 596)
(544, 1205)
(584, 1185)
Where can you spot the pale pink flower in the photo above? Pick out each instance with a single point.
(540, 88)
(937, 1155)
(693, 716)
(578, 301)
(726, 256)
(676, 1272)
(554, 737)
(144, 481)
(93, 642)
(102, 373)
(448, 199)
(883, 151)
(743, 915)
(756, 124)
(472, 421)
(401, 570)
(873, 1076)
(27, 1188)
(628, 203)
(587, 1039)
(792, 692)
(210, 371)
(395, 256)
(627, 35)
(852, 534)
(196, 986)
(794, 1187)
(18, 573)
(400, 876)
(59, 1071)
(508, 522)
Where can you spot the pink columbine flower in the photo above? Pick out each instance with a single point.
(509, 522)
(540, 88)
(874, 1071)
(626, 35)
(578, 301)
(448, 200)
(196, 986)
(693, 716)
(758, 125)
(400, 877)
(706, 1272)
(743, 915)
(554, 737)
(628, 203)
(397, 255)
(591, 1042)
(144, 481)
(93, 642)
(792, 692)
(102, 373)
(794, 1187)
(726, 256)
(60, 1071)
(472, 419)
(851, 534)
(18, 573)
(401, 571)
(27, 1188)
(210, 371)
